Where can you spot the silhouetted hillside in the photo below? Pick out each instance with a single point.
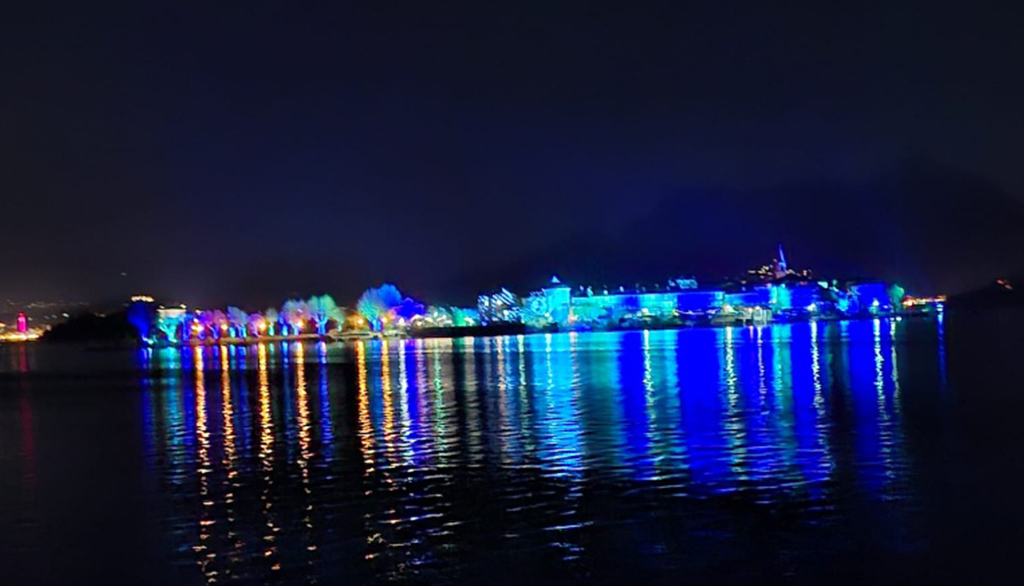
(928, 227)
(91, 327)
(1001, 293)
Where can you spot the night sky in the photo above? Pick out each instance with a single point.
(240, 152)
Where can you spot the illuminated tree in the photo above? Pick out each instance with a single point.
(220, 322)
(409, 309)
(390, 295)
(205, 318)
(257, 324)
(169, 324)
(377, 303)
(239, 321)
(295, 313)
(322, 309)
(465, 317)
(193, 327)
(272, 318)
(896, 295)
(371, 308)
(214, 321)
(141, 315)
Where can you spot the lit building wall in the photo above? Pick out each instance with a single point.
(802, 296)
(592, 311)
(661, 304)
(558, 303)
(697, 301)
(758, 296)
(609, 309)
(611, 302)
(535, 310)
(500, 307)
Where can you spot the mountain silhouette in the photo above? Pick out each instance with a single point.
(928, 227)
(1007, 291)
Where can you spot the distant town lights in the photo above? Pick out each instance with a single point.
(918, 301)
(27, 336)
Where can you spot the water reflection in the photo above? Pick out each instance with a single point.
(400, 458)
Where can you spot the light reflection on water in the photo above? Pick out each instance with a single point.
(409, 459)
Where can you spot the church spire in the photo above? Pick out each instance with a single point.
(780, 264)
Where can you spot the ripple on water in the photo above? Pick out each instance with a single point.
(413, 460)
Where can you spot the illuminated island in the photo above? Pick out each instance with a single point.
(772, 293)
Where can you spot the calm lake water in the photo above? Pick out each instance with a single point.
(852, 452)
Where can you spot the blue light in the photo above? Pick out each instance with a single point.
(141, 315)
(633, 386)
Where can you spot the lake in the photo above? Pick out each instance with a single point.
(849, 452)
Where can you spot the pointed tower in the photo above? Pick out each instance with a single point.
(780, 265)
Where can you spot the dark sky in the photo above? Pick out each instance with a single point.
(243, 151)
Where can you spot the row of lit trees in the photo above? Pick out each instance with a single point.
(292, 319)
(378, 306)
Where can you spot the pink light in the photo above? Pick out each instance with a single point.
(22, 323)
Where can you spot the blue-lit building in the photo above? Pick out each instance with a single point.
(612, 308)
(501, 307)
(558, 306)
(756, 296)
(772, 292)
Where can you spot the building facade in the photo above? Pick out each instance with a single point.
(557, 306)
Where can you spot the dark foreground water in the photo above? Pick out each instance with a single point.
(857, 452)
